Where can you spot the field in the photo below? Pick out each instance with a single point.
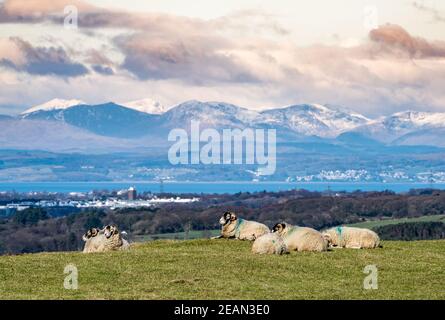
(178, 235)
(381, 223)
(226, 269)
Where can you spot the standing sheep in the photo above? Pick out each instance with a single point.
(269, 243)
(234, 227)
(352, 238)
(301, 238)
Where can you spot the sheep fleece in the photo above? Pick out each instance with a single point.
(248, 230)
(304, 239)
(270, 243)
(100, 243)
(353, 238)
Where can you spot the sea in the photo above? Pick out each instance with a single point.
(211, 187)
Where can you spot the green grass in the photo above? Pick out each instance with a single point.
(380, 223)
(226, 269)
(179, 235)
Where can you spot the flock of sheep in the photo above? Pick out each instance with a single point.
(283, 238)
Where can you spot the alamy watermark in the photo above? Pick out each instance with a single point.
(371, 280)
(230, 146)
(71, 281)
(370, 17)
(71, 15)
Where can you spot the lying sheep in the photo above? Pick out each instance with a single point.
(352, 238)
(234, 227)
(107, 239)
(92, 238)
(269, 243)
(114, 240)
(300, 238)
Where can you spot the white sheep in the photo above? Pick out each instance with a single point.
(301, 238)
(269, 243)
(107, 239)
(92, 238)
(352, 238)
(234, 227)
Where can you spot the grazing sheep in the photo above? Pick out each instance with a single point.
(234, 227)
(352, 238)
(269, 243)
(301, 238)
(107, 239)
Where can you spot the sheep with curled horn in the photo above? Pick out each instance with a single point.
(301, 238)
(92, 239)
(352, 238)
(269, 243)
(107, 239)
(233, 227)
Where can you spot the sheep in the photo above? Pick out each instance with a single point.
(92, 239)
(107, 239)
(269, 243)
(114, 240)
(352, 238)
(233, 227)
(301, 238)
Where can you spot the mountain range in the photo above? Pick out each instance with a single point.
(73, 124)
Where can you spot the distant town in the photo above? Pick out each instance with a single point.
(11, 202)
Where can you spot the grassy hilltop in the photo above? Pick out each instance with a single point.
(223, 269)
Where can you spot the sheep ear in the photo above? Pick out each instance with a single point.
(233, 217)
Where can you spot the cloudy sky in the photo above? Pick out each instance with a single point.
(374, 57)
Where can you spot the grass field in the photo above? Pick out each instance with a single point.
(178, 235)
(381, 223)
(225, 269)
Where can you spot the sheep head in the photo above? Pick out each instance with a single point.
(90, 234)
(280, 228)
(327, 237)
(110, 231)
(227, 217)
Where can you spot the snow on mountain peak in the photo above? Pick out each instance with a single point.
(315, 119)
(55, 104)
(145, 105)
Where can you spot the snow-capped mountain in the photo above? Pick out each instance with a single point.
(314, 120)
(210, 114)
(55, 104)
(147, 118)
(145, 105)
(403, 126)
(107, 119)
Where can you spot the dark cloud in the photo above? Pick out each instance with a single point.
(44, 61)
(104, 70)
(393, 37)
(199, 60)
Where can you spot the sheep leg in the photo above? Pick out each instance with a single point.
(218, 237)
